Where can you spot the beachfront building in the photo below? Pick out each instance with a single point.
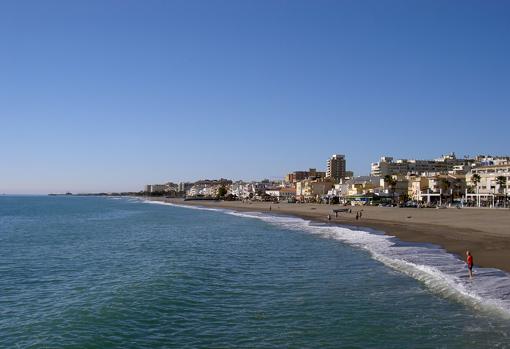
(388, 166)
(282, 194)
(204, 190)
(397, 188)
(361, 185)
(359, 190)
(273, 192)
(438, 189)
(312, 190)
(242, 189)
(417, 186)
(336, 167)
(248, 190)
(207, 187)
(489, 185)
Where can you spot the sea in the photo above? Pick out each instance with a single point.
(96, 272)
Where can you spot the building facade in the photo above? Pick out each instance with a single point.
(313, 189)
(336, 167)
(492, 185)
(446, 163)
(297, 176)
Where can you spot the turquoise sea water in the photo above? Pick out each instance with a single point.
(104, 273)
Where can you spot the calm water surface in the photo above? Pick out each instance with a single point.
(103, 273)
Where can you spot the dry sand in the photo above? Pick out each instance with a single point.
(485, 232)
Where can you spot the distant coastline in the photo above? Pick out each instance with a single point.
(97, 194)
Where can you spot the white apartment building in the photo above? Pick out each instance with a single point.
(242, 190)
(312, 189)
(489, 179)
(388, 166)
(489, 191)
(208, 190)
(282, 193)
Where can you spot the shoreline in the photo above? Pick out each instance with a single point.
(485, 233)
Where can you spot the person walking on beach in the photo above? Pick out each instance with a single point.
(469, 262)
(357, 215)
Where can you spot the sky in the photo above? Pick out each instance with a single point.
(111, 95)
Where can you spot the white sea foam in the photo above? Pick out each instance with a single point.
(186, 206)
(441, 272)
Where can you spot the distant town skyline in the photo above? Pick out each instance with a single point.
(109, 96)
(280, 177)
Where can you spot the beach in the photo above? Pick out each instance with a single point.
(485, 232)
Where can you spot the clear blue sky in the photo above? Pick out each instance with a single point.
(110, 95)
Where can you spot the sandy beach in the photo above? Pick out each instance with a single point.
(485, 232)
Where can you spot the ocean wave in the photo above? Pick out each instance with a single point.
(441, 272)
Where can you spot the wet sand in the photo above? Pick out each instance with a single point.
(485, 232)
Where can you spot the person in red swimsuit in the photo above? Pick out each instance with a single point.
(469, 261)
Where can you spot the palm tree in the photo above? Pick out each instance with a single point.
(476, 179)
(501, 181)
(391, 182)
(445, 184)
